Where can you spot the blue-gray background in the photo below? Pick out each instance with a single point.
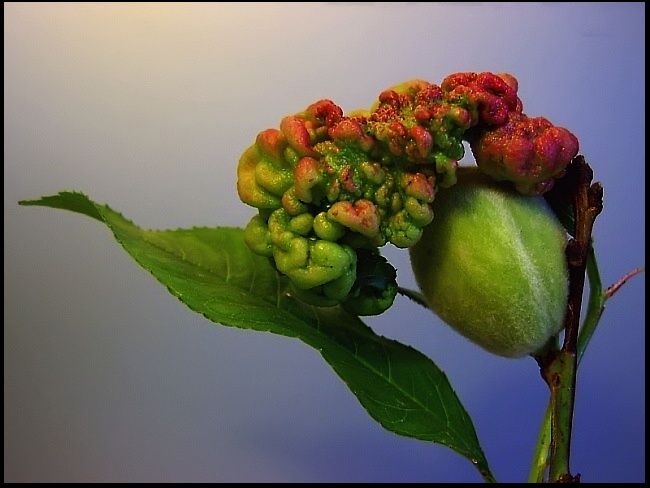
(109, 378)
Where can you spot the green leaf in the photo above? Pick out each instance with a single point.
(595, 306)
(213, 272)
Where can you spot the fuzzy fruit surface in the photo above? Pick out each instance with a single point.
(492, 265)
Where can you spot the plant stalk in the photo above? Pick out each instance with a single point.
(559, 368)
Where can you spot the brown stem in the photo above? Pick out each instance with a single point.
(558, 368)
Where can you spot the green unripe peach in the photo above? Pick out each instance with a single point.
(492, 265)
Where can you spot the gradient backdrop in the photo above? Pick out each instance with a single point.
(148, 107)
